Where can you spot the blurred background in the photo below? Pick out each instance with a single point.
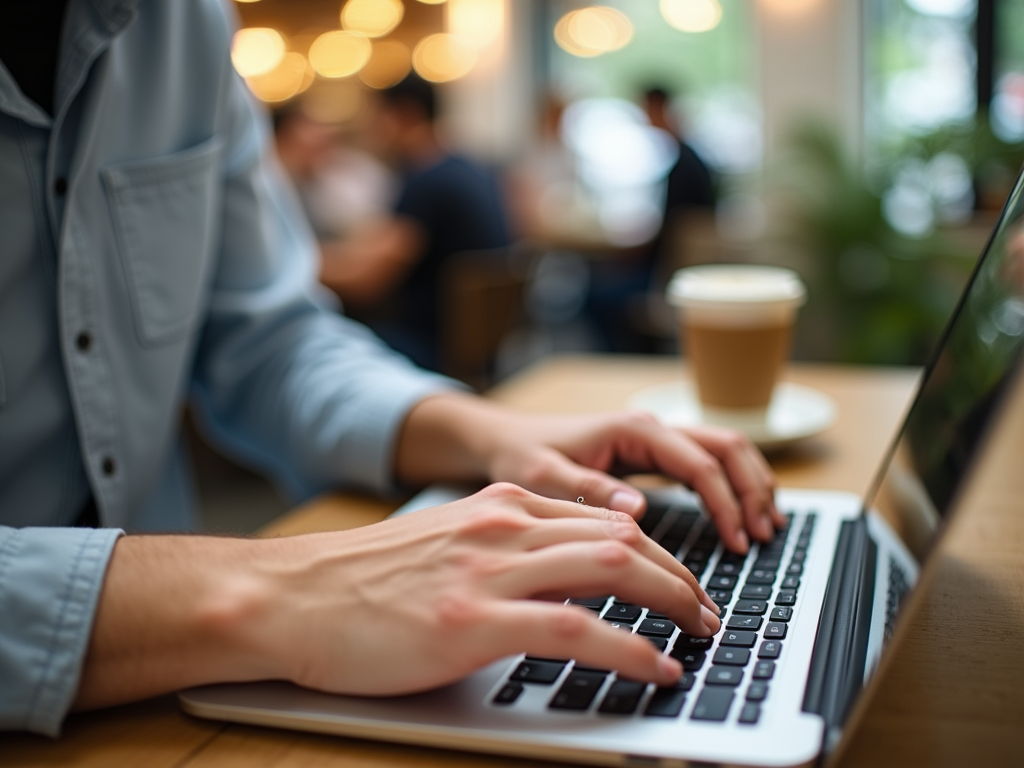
(495, 181)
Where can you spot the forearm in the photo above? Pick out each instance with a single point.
(451, 437)
(171, 615)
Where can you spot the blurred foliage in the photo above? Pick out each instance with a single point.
(875, 295)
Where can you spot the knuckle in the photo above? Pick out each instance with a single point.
(484, 522)
(504, 490)
(457, 611)
(706, 466)
(537, 473)
(570, 624)
(628, 533)
(613, 554)
(641, 419)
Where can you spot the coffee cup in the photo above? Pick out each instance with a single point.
(736, 323)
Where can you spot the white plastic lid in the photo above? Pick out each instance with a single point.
(736, 294)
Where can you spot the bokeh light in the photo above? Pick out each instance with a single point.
(373, 18)
(593, 31)
(691, 15)
(432, 2)
(443, 57)
(479, 22)
(339, 54)
(289, 78)
(389, 62)
(256, 50)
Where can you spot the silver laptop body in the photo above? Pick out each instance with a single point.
(772, 688)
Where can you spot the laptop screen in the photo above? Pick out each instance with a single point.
(973, 365)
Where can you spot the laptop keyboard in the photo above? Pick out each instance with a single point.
(756, 593)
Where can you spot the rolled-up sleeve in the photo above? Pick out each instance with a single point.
(50, 581)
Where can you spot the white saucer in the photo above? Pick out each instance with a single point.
(795, 412)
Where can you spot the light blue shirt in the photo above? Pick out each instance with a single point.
(175, 265)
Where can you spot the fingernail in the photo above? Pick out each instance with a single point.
(625, 501)
(743, 541)
(669, 668)
(710, 604)
(711, 620)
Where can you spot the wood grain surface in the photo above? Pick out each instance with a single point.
(953, 693)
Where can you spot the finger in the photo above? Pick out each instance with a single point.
(602, 568)
(541, 506)
(560, 477)
(565, 632)
(548, 533)
(680, 457)
(749, 474)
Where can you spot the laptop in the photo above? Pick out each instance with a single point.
(807, 618)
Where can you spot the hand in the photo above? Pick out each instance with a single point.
(422, 600)
(569, 456)
(397, 607)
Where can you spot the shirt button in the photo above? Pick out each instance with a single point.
(83, 341)
(108, 466)
(60, 186)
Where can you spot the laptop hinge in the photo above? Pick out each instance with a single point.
(840, 649)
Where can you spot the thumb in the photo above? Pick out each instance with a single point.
(597, 488)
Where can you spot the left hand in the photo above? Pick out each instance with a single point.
(459, 437)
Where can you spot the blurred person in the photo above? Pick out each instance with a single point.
(341, 187)
(152, 252)
(619, 289)
(388, 275)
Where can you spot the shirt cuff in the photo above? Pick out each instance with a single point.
(50, 582)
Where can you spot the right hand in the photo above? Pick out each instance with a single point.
(425, 599)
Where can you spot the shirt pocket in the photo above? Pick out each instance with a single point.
(166, 215)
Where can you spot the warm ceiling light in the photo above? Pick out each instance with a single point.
(255, 50)
(789, 7)
(479, 22)
(592, 31)
(247, 1)
(443, 57)
(389, 63)
(373, 18)
(289, 78)
(692, 15)
(432, 2)
(339, 54)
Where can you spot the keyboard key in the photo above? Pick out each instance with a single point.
(786, 597)
(737, 657)
(699, 555)
(661, 643)
(720, 596)
(656, 627)
(763, 670)
(696, 567)
(770, 649)
(775, 630)
(578, 690)
(666, 702)
(781, 614)
(620, 625)
(732, 557)
(725, 676)
(691, 660)
(761, 576)
(655, 514)
(686, 682)
(685, 643)
(728, 569)
(750, 713)
(794, 569)
(542, 672)
(791, 582)
(713, 705)
(757, 691)
(756, 592)
(799, 555)
(744, 622)
(722, 582)
(752, 607)
(739, 639)
(622, 698)
(767, 563)
(593, 603)
(508, 694)
(623, 613)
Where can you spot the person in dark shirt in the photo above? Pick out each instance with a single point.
(389, 274)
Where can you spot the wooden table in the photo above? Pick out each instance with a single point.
(954, 694)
